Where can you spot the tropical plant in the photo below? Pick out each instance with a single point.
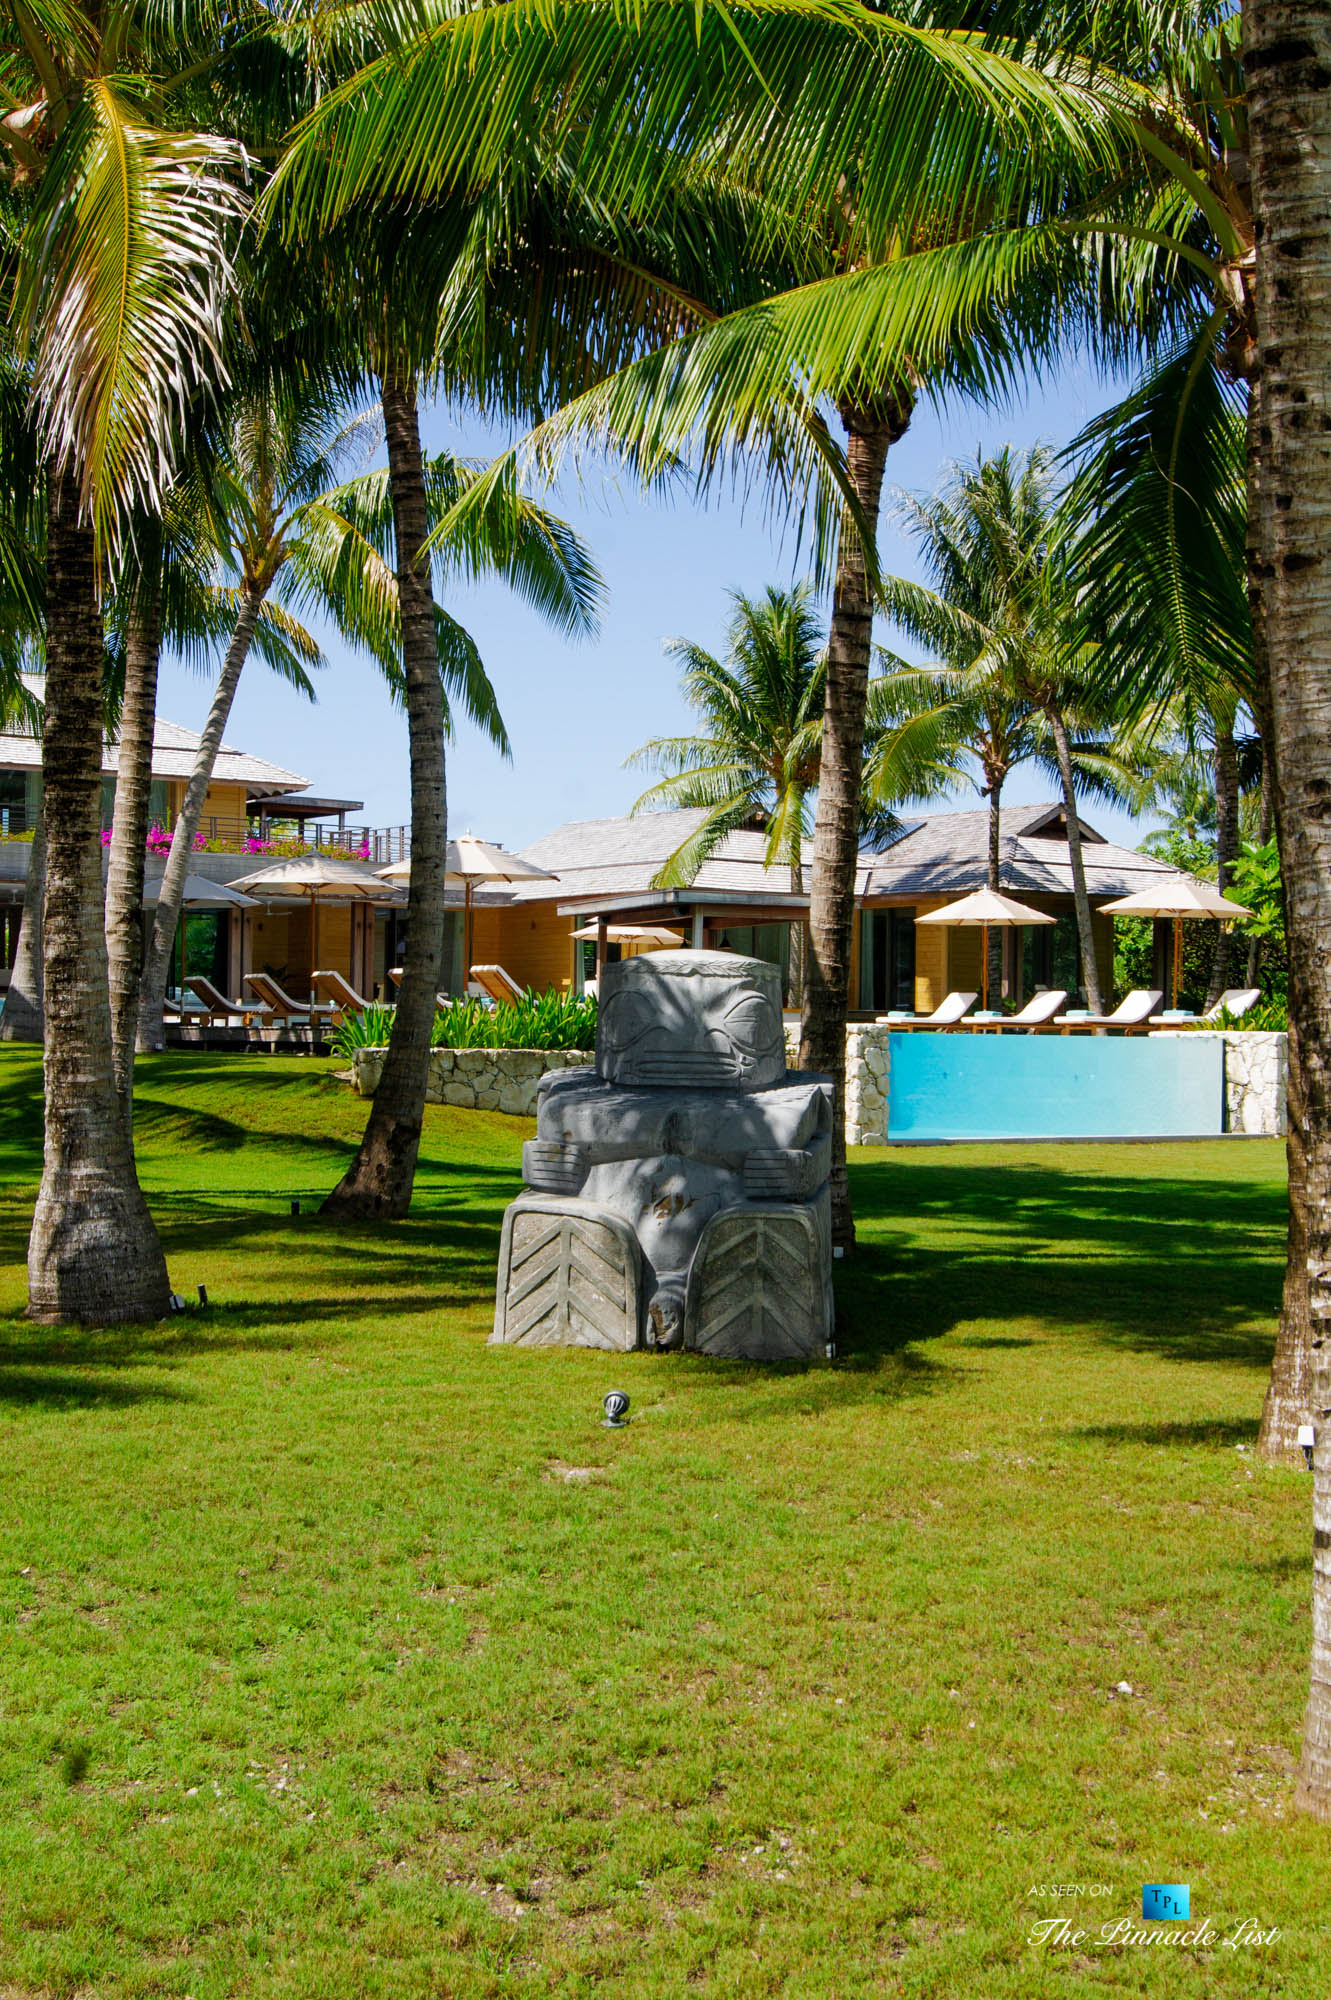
(1162, 503)
(289, 527)
(549, 1020)
(537, 1021)
(1287, 50)
(881, 146)
(1000, 616)
(540, 557)
(755, 763)
(369, 1028)
(125, 208)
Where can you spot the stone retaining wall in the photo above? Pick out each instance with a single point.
(479, 1079)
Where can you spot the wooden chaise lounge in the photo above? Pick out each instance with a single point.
(283, 1010)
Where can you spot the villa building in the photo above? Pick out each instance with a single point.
(601, 872)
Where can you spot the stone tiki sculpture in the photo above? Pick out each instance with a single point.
(677, 1193)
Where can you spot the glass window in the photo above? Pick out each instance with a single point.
(887, 961)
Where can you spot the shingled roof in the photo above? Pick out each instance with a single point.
(938, 854)
(174, 751)
(619, 857)
(947, 854)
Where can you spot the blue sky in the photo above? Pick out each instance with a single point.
(575, 710)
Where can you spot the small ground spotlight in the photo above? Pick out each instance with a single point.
(616, 1407)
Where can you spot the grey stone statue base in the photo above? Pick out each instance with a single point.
(571, 1275)
(678, 1191)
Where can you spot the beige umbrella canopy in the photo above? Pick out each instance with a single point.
(977, 912)
(468, 861)
(631, 934)
(1178, 896)
(319, 878)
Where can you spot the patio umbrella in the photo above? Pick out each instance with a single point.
(198, 894)
(631, 934)
(468, 860)
(1178, 897)
(977, 912)
(317, 877)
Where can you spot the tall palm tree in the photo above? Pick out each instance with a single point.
(291, 530)
(508, 537)
(1287, 50)
(1001, 615)
(755, 761)
(121, 268)
(1161, 501)
(873, 139)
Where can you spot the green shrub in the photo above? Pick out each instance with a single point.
(1265, 1016)
(369, 1030)
(537, 1021)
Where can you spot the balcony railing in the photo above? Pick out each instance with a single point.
(375, 845)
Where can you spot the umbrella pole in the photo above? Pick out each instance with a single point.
(1178, 933)
(466, 935)
(984, 969)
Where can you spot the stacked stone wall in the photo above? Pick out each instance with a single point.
(479, 1079)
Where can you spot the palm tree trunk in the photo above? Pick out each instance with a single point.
(995, 789)
(93, 1253)
(795, 972)
(21, 1020)
(1085, 932)
(152, 995)
(1227, 846)
(869, 435)
(379, 1179)
(1287, 59)
(129, 834)
(1289, 1393)
(1265, 826)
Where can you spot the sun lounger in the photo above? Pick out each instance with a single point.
(948, 1015)
(282, 1009)
(1234, 1001)
(1037, 1013)
(498, 984)
(1131, 1016)
(214, 1007)
(339, 994)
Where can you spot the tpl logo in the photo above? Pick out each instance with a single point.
(1164, 1902)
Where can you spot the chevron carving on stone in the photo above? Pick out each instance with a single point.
(757, 1294)
(572, 1282)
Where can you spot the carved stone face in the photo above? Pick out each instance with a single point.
(691, 1019)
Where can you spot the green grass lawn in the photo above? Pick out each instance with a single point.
(343, 1656)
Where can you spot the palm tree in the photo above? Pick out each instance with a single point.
(893, 139)
(1002, 618)
(1161, 502)
(121, 269)
(287, 529)
(756, 760)
(1287, 47)
(538, 556)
